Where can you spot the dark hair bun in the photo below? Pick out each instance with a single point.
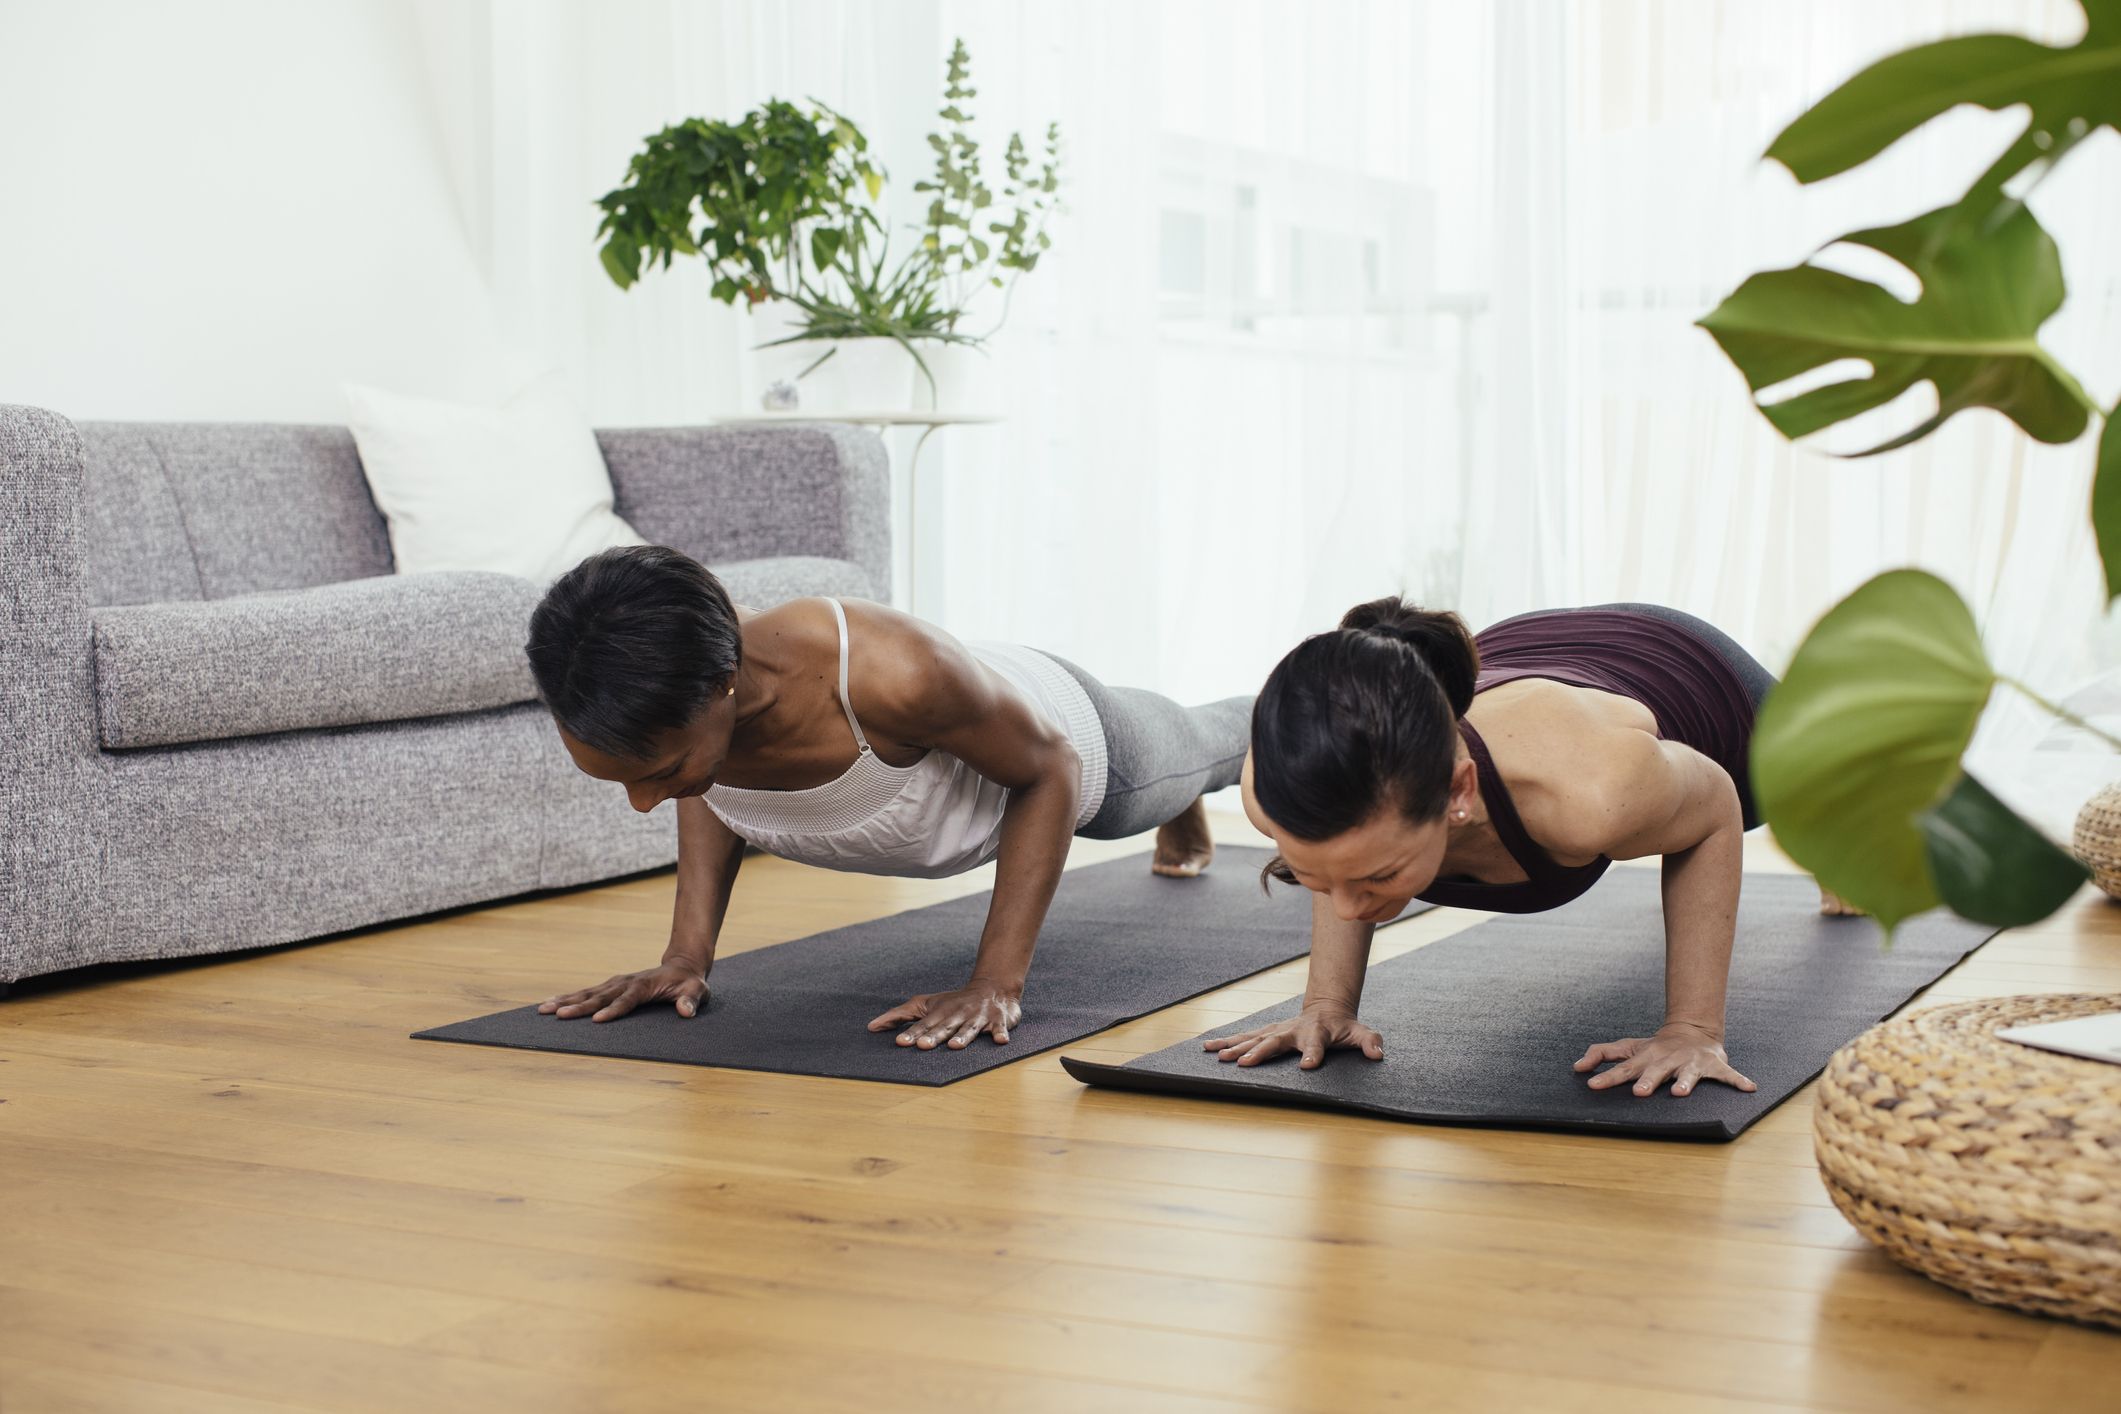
(1441, 638)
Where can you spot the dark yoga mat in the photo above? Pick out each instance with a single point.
(1119, 943)
(1482, 1027)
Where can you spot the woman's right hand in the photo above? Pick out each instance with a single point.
(1311, 1032)
(684, 983)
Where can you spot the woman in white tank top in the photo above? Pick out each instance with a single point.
(854, 737)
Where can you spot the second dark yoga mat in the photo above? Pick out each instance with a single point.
(1483, 1026)
(1119, 943)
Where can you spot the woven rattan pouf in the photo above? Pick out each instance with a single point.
(1989, 1166)
(2098, 840)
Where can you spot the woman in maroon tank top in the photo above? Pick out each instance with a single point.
(1399, 757)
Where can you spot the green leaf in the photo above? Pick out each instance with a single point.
(2106, 502)
(824, 245)
(1865, 735)
(1901, 92)
(753, 197)
(1972, 334)
(1990, 865)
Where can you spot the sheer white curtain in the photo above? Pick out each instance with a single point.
(1684, 494)
(1426, 278)
(1237, 410)
(1353, 296)
(1671, 488)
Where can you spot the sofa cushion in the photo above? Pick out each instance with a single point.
(761, 584)
(131, 520)
(212, 510)
(367, 650)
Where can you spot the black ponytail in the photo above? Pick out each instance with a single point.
(1363, 717)
(1441, 638)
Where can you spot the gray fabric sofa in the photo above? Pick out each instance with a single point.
(225, 723)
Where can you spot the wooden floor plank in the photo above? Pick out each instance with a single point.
(239, 1186)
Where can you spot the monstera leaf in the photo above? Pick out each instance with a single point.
(1856, 756)
(1990, 865)
(1972, 333)
(1856, 764)
(2068, 92)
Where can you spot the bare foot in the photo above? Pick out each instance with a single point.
(1183, 846)
(1835, 906)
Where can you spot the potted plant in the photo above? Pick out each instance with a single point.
(1857, 757)
(784, 204)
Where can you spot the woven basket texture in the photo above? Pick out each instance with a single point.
(2098, 841)
(1986, 1165)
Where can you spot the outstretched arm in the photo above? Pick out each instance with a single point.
(1340, 957)
(1340, 953)
(1639, 797)
(939, 697)
(709, 854)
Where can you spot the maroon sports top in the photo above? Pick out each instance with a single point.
(1694, 695)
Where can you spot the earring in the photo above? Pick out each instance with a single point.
(732, 690)
(1462, 817)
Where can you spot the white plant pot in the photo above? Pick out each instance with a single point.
(862, 376)
(763, 367)
(964, 379)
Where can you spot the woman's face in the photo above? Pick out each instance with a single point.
(1371, 872)
(684, 762)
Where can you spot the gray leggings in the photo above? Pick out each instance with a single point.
(1161, 757)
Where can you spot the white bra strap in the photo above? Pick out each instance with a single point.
(846, 704)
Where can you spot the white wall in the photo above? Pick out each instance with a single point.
(224, 208)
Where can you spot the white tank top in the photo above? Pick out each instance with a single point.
(929, 820)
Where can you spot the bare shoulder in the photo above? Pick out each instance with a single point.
(1581, 766)
(799, 630)
(1544, 725)
(1536, 727)
(903, 670)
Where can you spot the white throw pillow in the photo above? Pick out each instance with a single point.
(519, 489)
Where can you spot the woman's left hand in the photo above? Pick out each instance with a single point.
(955, 1018)
(1678, 1053)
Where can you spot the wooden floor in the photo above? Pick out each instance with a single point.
(239, 1187)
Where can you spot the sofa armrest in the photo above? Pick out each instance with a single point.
(752, 493)
(48, 760)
